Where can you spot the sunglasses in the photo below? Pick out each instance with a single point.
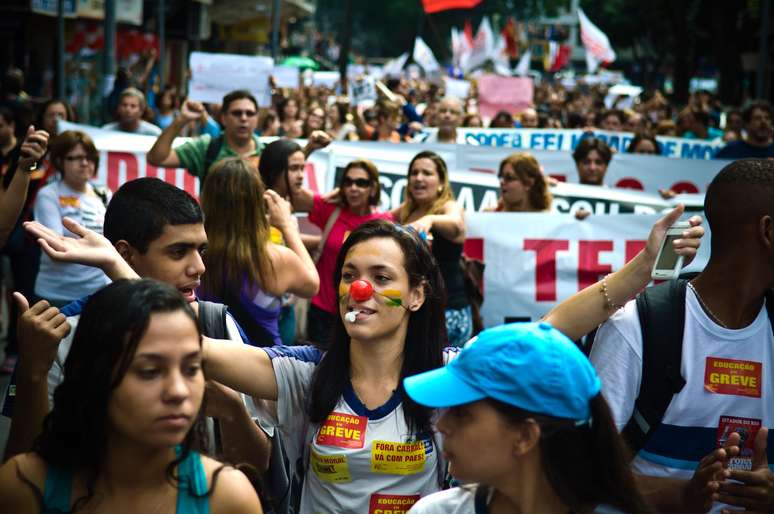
(239, 113)
(359, 182)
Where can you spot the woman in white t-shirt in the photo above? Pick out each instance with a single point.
(362, 445)
(526, 424)
(72, 195)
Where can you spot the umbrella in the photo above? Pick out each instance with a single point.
(301, 62)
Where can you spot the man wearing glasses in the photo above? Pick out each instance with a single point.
(239, 117)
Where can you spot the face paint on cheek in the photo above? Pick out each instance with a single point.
(343, 292)
(392, 297)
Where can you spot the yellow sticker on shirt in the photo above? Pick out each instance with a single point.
(330, 468)
(397, 458)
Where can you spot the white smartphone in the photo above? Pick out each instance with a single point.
(668, 263)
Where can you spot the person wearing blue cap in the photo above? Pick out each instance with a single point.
(526, 424)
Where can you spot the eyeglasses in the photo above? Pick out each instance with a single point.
(508, 178)
(359, 182)
(79, 158)
(239, 113)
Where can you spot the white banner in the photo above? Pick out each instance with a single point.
(213, 76)
(479, 165)
(473, 172)
(286, 76)
(534, 261)
(568, 139)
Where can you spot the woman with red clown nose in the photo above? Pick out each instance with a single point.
(360, 443)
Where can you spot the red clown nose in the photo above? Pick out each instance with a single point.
(361, 290)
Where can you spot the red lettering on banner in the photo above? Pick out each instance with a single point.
(189, 183)
(630, 183)
(632, 249)
(545, 265)
(589, 267)
(113, 161)
(684, 187)
(474, 249)
(153, 171)
(560, 178)
(311, 178)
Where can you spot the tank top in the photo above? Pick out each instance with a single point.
(447, 254)
(191, 493)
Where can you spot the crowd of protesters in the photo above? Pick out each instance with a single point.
(336, 367)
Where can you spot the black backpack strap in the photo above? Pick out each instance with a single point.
(661, 310)
(212, 320)
(213, 149)
(102, 193)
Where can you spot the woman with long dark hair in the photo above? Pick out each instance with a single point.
(527, 427)
(126, 423)
(344, 412)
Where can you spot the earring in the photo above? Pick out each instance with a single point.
(440, 189)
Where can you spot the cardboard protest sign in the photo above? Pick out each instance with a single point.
(213, 76)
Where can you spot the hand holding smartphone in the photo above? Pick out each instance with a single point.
(668, 263)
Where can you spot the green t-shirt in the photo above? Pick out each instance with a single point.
(192, 154)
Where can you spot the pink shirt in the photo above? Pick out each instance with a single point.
(326, 298)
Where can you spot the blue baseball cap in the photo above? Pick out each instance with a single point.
(532, 366)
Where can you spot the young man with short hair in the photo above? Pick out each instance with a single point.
(156, 231)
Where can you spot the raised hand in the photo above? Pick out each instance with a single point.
(33, 148)
(88, 248)
(40, 329)
(687, 246)
(191, 110)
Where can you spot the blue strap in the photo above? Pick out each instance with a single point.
(57, 490)
(192, 492)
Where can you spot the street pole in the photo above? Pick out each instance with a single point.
(162, 43)
(60, 51)
(763, 52)
(275, 29)
(108, 57)
(346, 44)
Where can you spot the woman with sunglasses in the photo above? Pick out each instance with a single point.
(72, 195)
(355, 203)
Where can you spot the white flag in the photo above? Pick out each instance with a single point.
(394, 67)
(460, 48)
(598, 48)
(483, 46)
(523, 67)
(424, 57)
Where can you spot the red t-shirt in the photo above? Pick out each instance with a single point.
(326, 298)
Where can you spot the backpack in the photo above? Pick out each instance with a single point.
(212, 320)
(213, 149)
(661, 310)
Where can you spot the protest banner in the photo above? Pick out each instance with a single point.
(286, 76)
(534, 261)
(498, 93)
(568, 139)
(325, 78)
(640, 172)
(473, 172)
(213, 76)
(457, 88)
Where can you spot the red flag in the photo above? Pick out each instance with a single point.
(562, 57)
(509, 33)
(468, 31)
(432, 6)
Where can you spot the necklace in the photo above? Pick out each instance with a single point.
(714, 316)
